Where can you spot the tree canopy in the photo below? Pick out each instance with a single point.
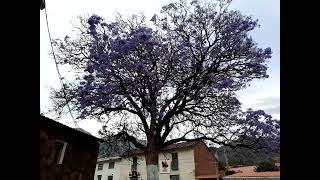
(170, 81)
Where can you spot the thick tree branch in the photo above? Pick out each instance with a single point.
(134, 104)
(131, 139)
(110, 109)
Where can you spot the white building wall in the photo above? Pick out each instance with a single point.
(123, 167)
(142, 167)
(186, 165)
(105, 172)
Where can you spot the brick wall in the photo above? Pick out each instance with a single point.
(205, 162)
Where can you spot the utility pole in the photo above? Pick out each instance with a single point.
(225, 155)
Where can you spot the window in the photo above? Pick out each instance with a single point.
(174, 161)
(59, 151)
(134, 164)
(99, 177)
(110, 177)
(100, 167)
(174, 177)
(111, 165)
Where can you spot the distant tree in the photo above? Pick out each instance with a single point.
(266, 166)
(230, 172)
(169, 82)
(244, 156)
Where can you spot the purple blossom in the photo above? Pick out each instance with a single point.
(94, 19)
(92, 30)
(112, 26)
(165, 26)
(179, 28)
(225, 84)
(89, 78)
(105, 37)
(169, 6)
(267, 52)
(154, 18)
(89, 69)
(234, 101)
(212, 15)
(189, 20)
(133, 61)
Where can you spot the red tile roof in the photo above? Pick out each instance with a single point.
(206, 176)
(243, 169)
(181, 145)
(257, 174)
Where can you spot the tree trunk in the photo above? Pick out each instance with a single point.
(152, 161)
(152, 172)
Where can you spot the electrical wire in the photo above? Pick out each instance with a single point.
(56, 63)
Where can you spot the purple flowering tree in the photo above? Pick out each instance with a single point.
(169, 82)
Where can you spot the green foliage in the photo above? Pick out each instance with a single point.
(229, 172)
(266, 166)
(243, 157)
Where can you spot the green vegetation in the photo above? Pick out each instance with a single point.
(266, 166)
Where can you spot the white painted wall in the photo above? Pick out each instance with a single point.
(123, 167)
(105, 172)
(186, 164)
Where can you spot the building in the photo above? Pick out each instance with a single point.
(66, 153)
(182, 161)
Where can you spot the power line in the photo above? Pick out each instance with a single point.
(56, 63)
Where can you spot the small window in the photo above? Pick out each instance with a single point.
(100, 167)
(174, 177)
(111, 165)
(59, 151)
(99, 177)
(174, 161)
(110, 177)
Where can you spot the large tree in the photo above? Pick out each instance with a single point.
(171, 81)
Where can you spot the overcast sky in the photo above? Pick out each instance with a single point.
(262, 94)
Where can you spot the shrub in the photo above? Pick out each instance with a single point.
(266, 166)
(229, 172)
